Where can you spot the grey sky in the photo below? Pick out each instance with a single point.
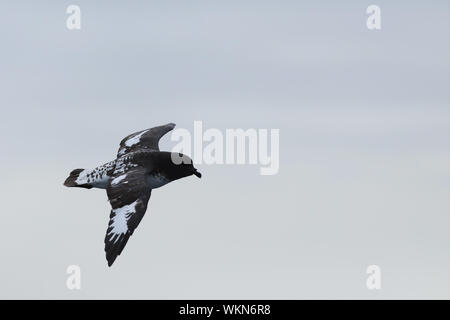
(364, 125)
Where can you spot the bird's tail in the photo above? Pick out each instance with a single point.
(77, 179)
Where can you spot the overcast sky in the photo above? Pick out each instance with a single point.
(364, 125)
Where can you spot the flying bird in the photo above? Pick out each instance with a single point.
(129, 179)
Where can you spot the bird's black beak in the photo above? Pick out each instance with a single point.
(198, 174)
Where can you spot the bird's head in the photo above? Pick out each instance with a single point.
(182, 166)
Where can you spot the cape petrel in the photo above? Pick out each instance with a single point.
(129, 180)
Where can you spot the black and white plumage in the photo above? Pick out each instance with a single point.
(129, 180)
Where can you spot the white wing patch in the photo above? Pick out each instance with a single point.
(118, 179)
(121, 152)
(119, 221)
(133, 140)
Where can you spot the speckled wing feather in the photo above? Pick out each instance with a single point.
(146, 139)
(128, 193)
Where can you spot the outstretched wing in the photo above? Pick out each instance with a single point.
(145, 139)
(128, 194)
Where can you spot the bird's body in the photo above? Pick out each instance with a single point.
(100, 176)
(129, 180)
